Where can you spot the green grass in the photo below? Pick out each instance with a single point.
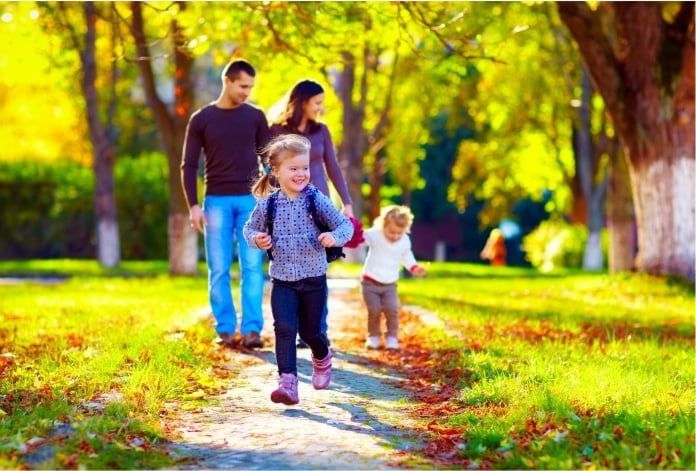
(90, 268)
(561, 371)
(567, 371)
(64, 346)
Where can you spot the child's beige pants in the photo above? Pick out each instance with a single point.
(381, 298)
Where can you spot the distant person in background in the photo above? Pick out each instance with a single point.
(389, 248)
(231, 134)
(495, 248)
(299, 116)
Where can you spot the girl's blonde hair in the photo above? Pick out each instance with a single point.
(280, 148)
(398, 215)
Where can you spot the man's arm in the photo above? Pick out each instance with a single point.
(263, 136)
(189, 171)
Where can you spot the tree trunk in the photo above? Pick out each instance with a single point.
(376, 179)
(183, 240)
(578, 212)
(646, 77)
(587, 158)
(664, 201)
(620, 217)
(354, 143)
(108, 241)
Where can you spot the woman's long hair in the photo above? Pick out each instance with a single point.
(291, 118)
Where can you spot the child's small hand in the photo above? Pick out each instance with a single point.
(326, 239)
(418, 270)
(263, 240)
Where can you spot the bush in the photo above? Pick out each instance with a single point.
(46, 210)
(142, 199)
(556, 243)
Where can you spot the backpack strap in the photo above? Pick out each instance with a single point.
(313, 212)
(332, 253)
(270, 215)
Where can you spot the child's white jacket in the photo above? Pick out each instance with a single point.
(384, 258)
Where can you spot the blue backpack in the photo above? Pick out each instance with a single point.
(332, 253)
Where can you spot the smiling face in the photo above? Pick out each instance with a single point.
(239, 89)
(293, 174)
(314, 107)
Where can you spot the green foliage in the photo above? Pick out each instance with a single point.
(430, 203)
(556, 243)
(142, 196)
(566, 370)
(46, 209)
(523, 133)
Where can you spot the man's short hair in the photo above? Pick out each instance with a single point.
(234, 68)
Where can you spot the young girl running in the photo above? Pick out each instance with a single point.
(283, 223)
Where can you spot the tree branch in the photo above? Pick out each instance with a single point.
(378, 131)
(417, 14)
(158, 107)
(278, 37)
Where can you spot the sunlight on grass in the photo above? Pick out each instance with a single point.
(140, 339)
(561, 371)
(567, 371)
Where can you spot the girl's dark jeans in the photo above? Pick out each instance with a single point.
(297, 307)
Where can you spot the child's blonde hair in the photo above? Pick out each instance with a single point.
(399, 215)
(280, 148)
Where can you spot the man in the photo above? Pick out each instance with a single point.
(231, 134)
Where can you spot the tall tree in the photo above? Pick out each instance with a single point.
(591, 174)
(171, 122)
(641, 59)
(101, 131)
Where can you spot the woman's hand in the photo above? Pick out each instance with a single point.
(348, 211)
(263, 240)
(326, 239)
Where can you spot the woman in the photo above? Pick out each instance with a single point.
(303, 107)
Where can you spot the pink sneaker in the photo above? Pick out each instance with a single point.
(321, 372)
(287, 390)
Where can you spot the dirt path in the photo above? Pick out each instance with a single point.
(360, 422)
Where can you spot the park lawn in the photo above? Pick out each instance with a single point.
(90, 363)
(563, 371)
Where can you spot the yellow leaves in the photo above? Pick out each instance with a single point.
(36, 94)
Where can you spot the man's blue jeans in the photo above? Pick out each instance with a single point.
(226, 216)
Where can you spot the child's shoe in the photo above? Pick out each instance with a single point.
(321, 372)
(372, 343)
(392, 343)
(287, 390)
